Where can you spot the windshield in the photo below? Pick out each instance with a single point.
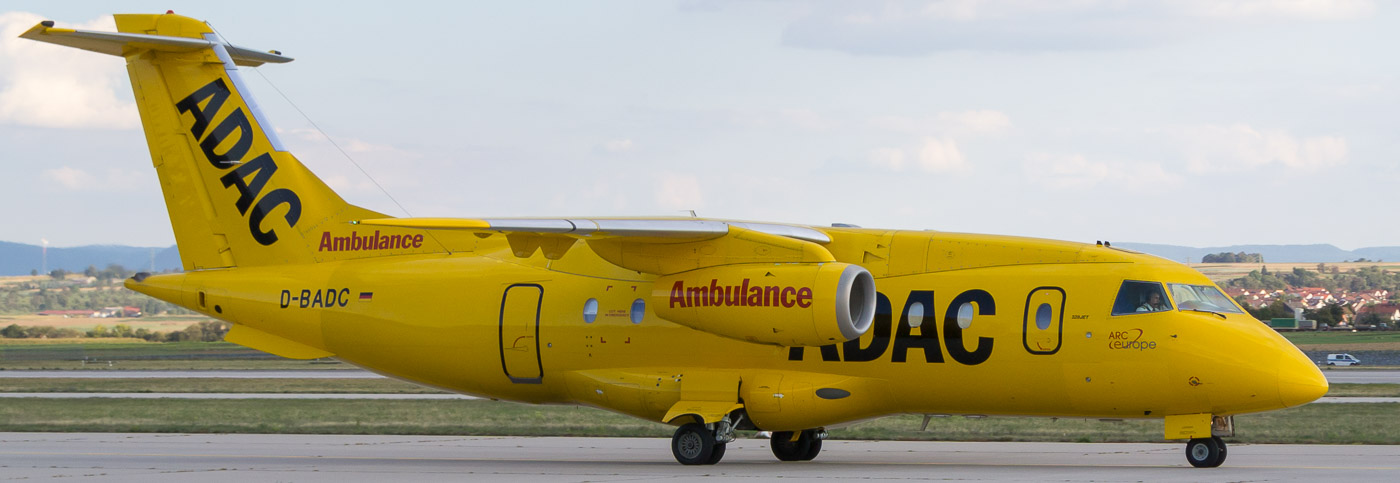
(1138, 297)
(1202, 297)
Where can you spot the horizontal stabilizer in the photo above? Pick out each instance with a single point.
(120, 44)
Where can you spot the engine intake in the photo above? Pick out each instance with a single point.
(791, 305)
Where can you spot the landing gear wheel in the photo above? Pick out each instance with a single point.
(1205, 452)
(1223, 451)
(717, 454)
(815, 445)
(788, 450)
(694, 445)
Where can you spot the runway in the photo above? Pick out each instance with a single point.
(1361, 376)
(211, 374)
(239, 458)
(1334, 376)
(380, 396)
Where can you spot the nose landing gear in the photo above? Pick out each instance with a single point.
(1206, 452)
(1204, 449)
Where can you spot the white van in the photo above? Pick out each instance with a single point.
(1342, 360)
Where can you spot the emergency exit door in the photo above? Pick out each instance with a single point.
(1043, 327)
(520, 333)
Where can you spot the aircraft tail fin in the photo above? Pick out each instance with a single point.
(235, 195)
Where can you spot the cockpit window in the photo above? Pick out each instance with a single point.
(1202, 297)
(1136, 297)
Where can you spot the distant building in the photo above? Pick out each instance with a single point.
(126, 311)
(1388, 312)
(69, 313)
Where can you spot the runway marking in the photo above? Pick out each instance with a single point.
(575, 461)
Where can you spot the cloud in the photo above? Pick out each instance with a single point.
(1323, 10)
(1238, 147)
(958, 123)
(1075, 171)
(71, 178)
(900, 28)
(784, 118)
(678, 191)
(618, 146)
(888, 158)
(59, 87)
(935, 155)
(937, 150)
(892, 28)
(977, 121)
(303, 141)
(113, 180)
(941, 156)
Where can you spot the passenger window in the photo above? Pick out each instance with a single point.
(1136, 297)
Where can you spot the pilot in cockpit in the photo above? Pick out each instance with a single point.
(1153, 303)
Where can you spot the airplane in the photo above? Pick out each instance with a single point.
(711, 326)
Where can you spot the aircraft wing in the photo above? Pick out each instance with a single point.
(659, 246)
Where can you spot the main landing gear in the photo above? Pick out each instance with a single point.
(703, 444)
(1206, 452)
(799, 446)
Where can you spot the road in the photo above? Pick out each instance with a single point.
(338, 458)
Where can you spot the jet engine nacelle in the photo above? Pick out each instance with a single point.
(791, 305)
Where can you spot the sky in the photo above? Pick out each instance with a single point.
(1186, 122)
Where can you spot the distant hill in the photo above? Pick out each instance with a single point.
(1272, 253)
(19, 258)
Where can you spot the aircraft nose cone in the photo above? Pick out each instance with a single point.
(1300, 381)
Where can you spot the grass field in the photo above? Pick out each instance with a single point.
(1341, 337)
(213, 385)
(175, 365)
(1317, 423)
(154, 323)
(1221, 272)
(71, 354)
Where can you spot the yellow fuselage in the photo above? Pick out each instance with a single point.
(446, 321)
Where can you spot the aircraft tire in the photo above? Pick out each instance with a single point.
(787, 450)
(717, 454)
(1223, 450)
(1204, 452)
(814, 446)
(692, 444)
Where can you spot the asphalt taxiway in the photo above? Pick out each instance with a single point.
(394, 396)
(1335, 376)
(339, 458)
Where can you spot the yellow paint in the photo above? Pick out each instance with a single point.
(1187, 426)
(542, 318)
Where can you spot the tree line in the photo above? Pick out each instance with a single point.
(1227, 257)
(61, 293)
(1330, 277)
(206, 331)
